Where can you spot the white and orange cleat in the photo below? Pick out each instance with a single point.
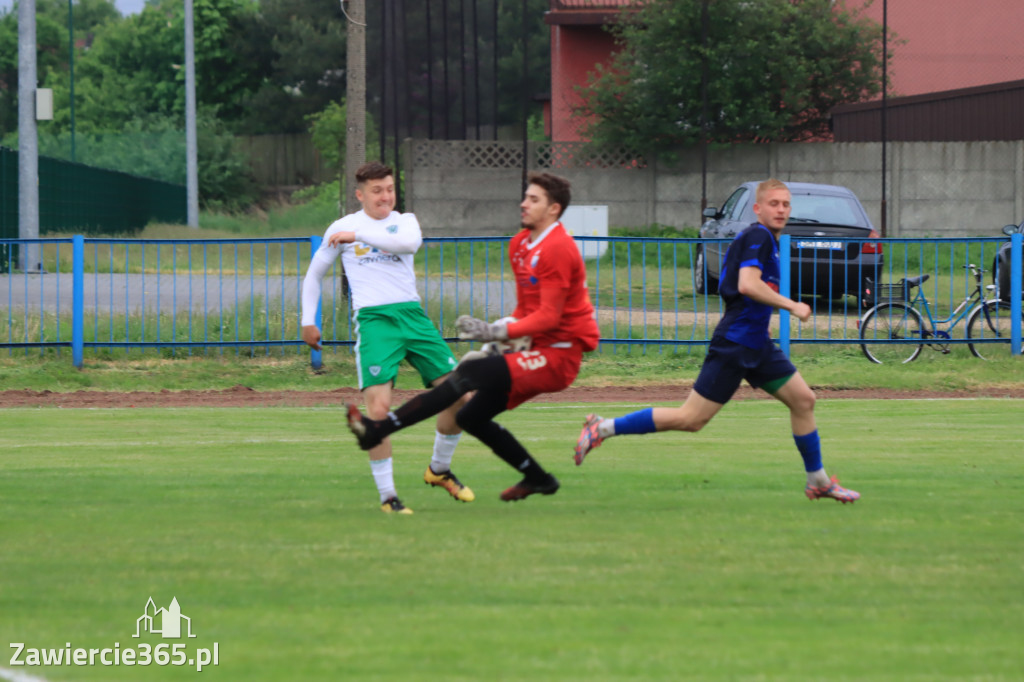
(833, 490)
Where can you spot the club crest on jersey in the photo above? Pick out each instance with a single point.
(533, 266)
(391, 229)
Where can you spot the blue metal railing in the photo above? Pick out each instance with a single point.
(245, 294)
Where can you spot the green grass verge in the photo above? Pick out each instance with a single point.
(838, 367)
(667, 557)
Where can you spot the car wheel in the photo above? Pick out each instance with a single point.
(703, 283)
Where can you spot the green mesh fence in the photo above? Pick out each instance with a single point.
(77, 198)
(8, 207)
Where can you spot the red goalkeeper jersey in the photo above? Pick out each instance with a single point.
(552, 302)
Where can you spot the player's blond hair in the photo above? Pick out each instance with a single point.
(767, 186)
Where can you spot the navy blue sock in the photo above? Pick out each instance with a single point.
(635, 423)
(810, 449)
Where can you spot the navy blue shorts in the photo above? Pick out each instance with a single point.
(727, 364)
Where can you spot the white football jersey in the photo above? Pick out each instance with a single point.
(378, 264)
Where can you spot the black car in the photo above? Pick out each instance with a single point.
(822, 264)
(1001, 263)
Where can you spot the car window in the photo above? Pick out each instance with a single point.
(825, 209)
(734, 204)
(741, 204)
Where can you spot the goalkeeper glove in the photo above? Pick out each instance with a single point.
(474, 329)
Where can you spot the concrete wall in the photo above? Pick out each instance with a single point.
(933, 189)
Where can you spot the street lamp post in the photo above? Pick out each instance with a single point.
(885, 99)
(191, 141)
(71, 62)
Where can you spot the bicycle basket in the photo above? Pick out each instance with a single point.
(888, 293)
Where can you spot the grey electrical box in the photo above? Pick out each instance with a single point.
(44, 104)
(587, 221)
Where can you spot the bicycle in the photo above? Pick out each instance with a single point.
(898, 318)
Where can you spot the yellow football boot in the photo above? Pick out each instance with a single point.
(449, 482)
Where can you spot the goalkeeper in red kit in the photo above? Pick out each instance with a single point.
(552, 308)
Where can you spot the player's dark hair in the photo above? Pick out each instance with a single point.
(556, 187)
(373, 170)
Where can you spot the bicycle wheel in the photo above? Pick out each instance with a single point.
(888, 322)
(990, 321)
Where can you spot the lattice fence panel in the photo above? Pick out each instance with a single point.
(581, 155)
(466, 154)
(553, 155)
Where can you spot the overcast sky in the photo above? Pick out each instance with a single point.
(125, 6)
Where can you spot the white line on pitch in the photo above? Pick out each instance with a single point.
(13, 676)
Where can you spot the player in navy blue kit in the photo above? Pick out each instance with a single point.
(741, 348)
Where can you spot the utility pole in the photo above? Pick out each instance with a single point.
(355, 102)
(191, 141)
(28, 142)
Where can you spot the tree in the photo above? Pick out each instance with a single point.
(86, 15)
(51, 57)
(328, 130)
(775, 69)
(135, 66)
(537, 80)
(265, 66)
(129, 82)
(298, 48)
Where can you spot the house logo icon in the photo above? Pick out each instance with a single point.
(163, 622)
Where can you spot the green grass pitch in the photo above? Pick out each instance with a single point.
(664, 557)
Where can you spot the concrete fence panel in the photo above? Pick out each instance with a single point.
(933, 189)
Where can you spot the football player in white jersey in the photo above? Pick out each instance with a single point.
(377, 246)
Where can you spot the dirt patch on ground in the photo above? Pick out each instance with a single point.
(243, 396)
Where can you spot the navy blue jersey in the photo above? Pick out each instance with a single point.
(746, 321)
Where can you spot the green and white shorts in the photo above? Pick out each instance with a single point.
(388, 334)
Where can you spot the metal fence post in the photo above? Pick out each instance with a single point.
(315, 356)
(784, 258)
(1015, 292)
(77, 298)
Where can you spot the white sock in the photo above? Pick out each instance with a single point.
(606, 429)
(444, 450)
(818, 479)
(384, 478)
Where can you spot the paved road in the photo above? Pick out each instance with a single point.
(105, 294)
(134, 293)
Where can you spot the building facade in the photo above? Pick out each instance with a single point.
(935, 47)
